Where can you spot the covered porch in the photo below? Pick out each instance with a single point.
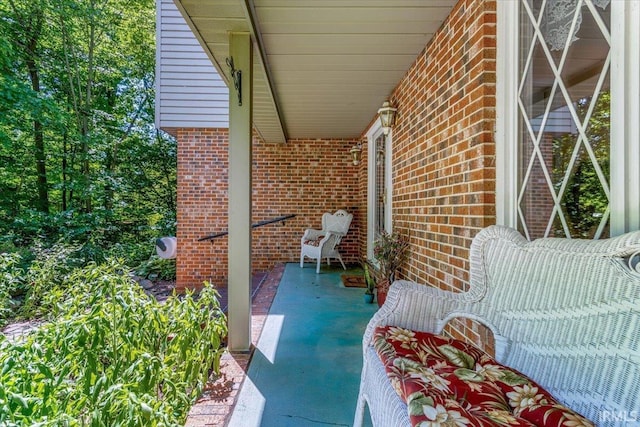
(494, 122)
(304, 369)
(305, 101)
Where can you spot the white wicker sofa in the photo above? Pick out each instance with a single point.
(564, 312)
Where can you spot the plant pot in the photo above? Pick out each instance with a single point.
(368, 298)
(382, 287)
(381, 296)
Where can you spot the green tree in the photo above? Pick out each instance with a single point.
(81, 158)
(27, 22)
(584, 201)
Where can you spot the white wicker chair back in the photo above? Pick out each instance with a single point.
(566, 312)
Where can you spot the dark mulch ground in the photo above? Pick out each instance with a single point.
(160, 289)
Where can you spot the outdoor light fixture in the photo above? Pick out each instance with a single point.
(356, 150)
(387, 117)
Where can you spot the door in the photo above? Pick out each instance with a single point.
(380, 186)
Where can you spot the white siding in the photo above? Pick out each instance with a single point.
(558, 121)
(189, 90)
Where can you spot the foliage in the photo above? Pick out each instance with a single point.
(114, 356)
(584, 201)
(48, 272)
(390, 250)
(368, 277)
(81, 159)
(84, 165)
(133, 253)
(26, 284)
(156, 268)
(11, 284)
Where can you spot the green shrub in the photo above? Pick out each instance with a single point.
(47, 274)
(25, 254)
(12, 285)
(156, 268)
(113, 356)
(41, 279)
(132, 253)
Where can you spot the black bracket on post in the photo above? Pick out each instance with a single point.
(236, 76)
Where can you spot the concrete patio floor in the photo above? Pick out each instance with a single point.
(305, 367)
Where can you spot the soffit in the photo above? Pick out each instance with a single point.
(322, 68)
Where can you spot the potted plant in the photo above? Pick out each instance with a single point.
(390, 251)
(369, 281)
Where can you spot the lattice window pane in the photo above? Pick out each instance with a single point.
(564, 118)
(380, 180)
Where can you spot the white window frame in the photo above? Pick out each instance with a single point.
(374, 132)
(625, 115)
(506, 131)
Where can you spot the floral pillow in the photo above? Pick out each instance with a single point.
(446, 382)
(314, 242)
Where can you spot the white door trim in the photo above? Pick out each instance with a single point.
(374, 132)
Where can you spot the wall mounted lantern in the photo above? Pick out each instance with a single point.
(356, 151)
(387, 117)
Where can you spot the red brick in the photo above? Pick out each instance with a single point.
(443, 170)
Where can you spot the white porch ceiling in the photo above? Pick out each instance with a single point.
(322, 68)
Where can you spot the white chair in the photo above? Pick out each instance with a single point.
(319, 244)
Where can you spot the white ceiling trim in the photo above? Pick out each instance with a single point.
(211, 24)
(322, 68)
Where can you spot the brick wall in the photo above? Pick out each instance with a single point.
(537, 201)
(444, 165)
(202, 205)
(443, 150)
(301, 177)
(443, 171)
(305, 178)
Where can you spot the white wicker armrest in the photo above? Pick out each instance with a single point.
(311, 234)
(327, 235)
(413, 306)
(409, 305)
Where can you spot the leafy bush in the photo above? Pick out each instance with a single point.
(11, 284)
(47, 273)
(97, 235)
(157, 268)
(43, 274)
(133, 253)
(26, 255)
(113, 357)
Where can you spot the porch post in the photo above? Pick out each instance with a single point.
(240, 118)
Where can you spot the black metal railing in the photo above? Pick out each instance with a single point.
(256, 225)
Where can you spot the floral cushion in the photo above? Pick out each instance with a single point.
(446, 382)
(315, 243)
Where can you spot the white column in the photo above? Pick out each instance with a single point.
(506, 130)
(240, 118)
(625, 116)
